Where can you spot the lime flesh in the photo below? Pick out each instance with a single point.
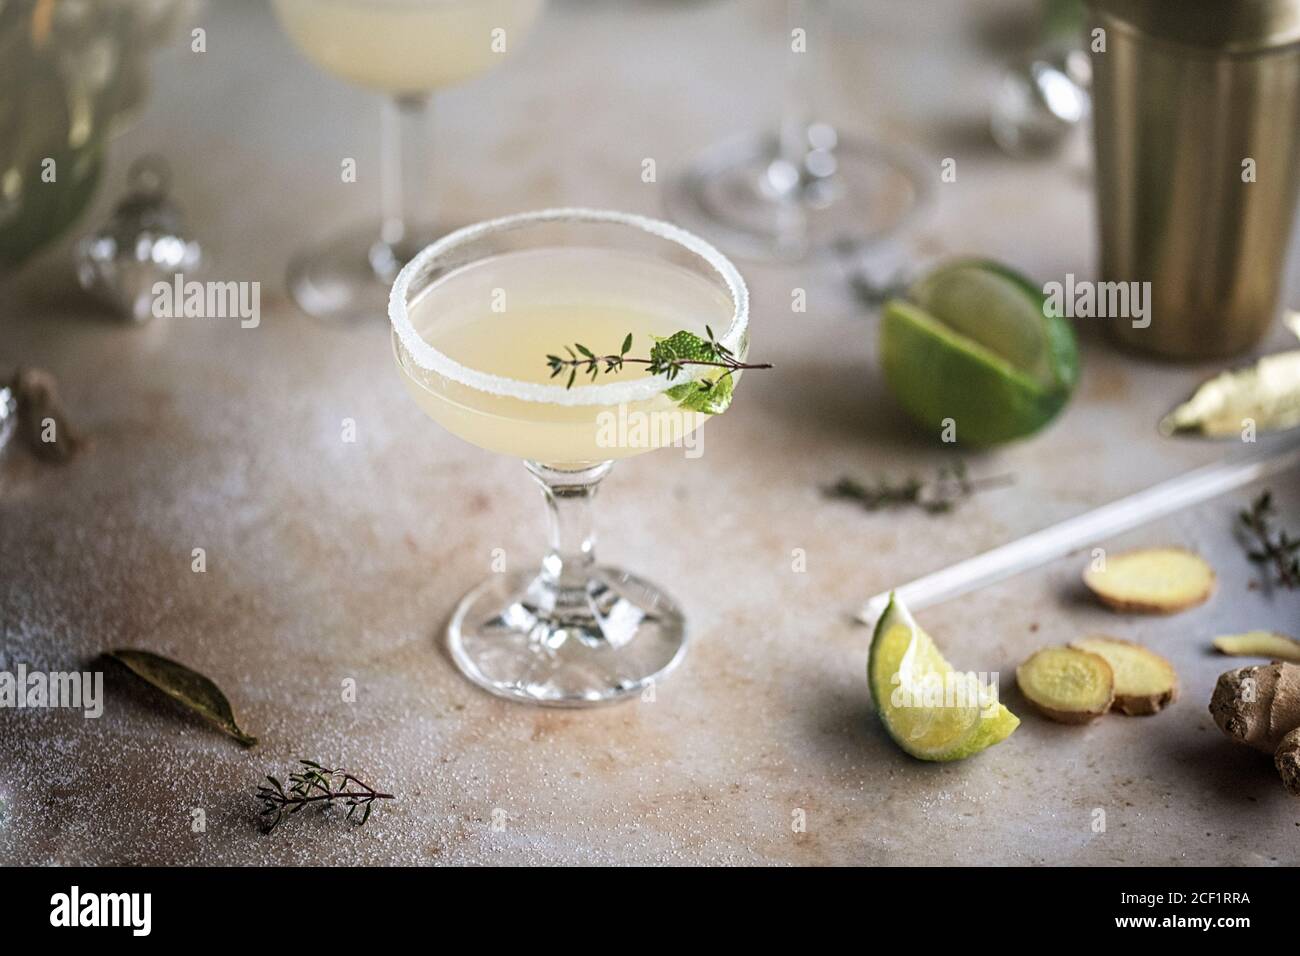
(905, 671)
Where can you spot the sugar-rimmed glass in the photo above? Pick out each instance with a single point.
(474, 316)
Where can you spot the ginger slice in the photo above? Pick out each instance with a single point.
(1152, 581)
(1144, 681)
(1268, 644)
(1067, 684)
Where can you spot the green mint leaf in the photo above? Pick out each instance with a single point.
(709, 399)
(710, 394)
(681, 346)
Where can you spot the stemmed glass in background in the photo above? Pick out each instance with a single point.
(1044, 101)
(406, 49)
(805, 187)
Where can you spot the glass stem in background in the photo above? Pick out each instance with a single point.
(406, 181)
(805, 141)
(571, 553)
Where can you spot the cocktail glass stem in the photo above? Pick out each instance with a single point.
(804, 170)
(573, 633)
(804, 71)
(406, 181)
(571, 552)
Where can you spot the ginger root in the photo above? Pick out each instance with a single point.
(1260, 707)
(1287, 761)
(1144, 681)
(1268, 644)
(1069, 685)
(1152, 581)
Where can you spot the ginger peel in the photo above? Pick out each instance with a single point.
(1260, 707)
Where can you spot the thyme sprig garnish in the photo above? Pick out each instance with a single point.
(1280, 550)
(951, 484)
(318, 785)
(669, 356)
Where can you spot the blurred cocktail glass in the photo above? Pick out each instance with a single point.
(805, 187)
(475, 316)
(406, 49)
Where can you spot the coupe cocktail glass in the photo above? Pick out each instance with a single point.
(474, 317)
(406, 49)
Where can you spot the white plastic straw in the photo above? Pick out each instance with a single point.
(1040, 547)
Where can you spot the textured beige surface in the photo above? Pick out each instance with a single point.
(329, 561)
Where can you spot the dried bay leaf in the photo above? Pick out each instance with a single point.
(187, 687)
(41, 421)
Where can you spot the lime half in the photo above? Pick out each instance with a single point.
(931, 711)
(973, 344)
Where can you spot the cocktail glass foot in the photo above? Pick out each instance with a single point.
(518, 636)
(574, 633)
(347, 278)
(754, 200)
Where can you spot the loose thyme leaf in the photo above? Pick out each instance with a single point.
(1280, 550)
(321, 786)
(187, 687)
(938, 496)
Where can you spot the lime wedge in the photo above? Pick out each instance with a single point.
(931, 711)
(973, 343)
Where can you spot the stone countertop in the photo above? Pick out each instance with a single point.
(330, 561)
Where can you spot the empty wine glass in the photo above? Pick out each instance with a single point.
(805, 187)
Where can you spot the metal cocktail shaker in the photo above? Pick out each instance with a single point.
(1196, 108)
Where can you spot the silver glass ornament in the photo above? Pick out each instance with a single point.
(144, 242)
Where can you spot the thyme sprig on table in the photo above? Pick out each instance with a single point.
(1280, 550)
(951, 484)
(318, 785)
(669, 356)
